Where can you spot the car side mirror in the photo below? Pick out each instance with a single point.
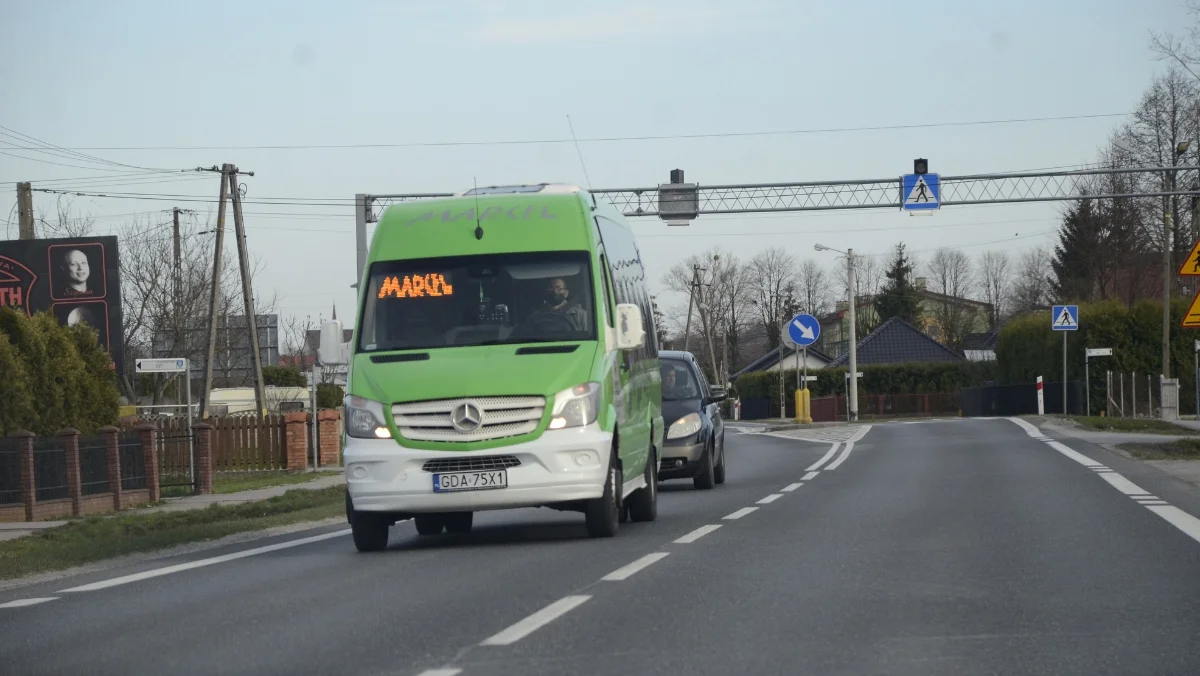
(717, 395)
(631, 334)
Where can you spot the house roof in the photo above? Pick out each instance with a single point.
(979, 341)
(772, 358)
(898, 342)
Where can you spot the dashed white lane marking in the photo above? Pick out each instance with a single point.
(1124, 485)
(537, 620)
(769, 499)
(21, 603)
(179, 568)
(440, 672)
(824, 459)
(697, 534)
(1185, 522)
(1179, 518)
(810, 476)
(791, 487)
(740, 513)
(624, 572)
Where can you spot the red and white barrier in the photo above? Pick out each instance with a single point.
(1041, 399)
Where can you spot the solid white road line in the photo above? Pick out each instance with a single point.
(841, 458)
(824, 459)
(810, 476)
(624, 572)
(697, 534)
(740, 513)
(179, 568)
(1124, 485)
(21, 603)
(1180, 519)
(791, 487)
(441, 672)
(1029, 428)
(769, 499)
(1072, 454)
(537, 620)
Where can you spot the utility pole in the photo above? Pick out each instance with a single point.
(853, 389)
(180, 334)
(25, 210)
(260, 397)
(705, 316)
(215, 296)
(687, 327)
(1167, 274)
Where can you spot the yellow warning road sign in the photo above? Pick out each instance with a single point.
(1191, 264)
(1191, 320)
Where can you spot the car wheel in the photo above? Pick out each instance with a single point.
(643, 506)
(603, 513)
(458, 522)
(719, 470)
(429, 524)
(705, 480)
(369, 529)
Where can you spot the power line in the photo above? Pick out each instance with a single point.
(608, 139)
(13, 133)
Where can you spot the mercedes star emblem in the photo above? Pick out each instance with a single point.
(467, 417)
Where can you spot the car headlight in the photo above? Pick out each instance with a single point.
(576, 407)
(364, 419)
(685, 426)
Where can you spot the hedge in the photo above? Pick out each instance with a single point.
(1028, 348)
(52, 376)
(917, 378)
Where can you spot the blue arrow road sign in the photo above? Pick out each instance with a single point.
(1065, 318)
(920, 192)
(804, 330)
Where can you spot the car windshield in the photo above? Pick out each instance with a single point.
(478, 300)
(678, 382)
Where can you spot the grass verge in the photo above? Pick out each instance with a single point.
(232, 482)
(1106, 424)
(1180, 449)
(96, 538)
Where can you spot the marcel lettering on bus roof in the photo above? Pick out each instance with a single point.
(517, 213)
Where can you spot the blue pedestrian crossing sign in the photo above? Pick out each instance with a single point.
(921, 192)
(1064, 318)
(803, 330)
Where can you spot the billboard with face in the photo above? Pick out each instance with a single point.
(77, 280)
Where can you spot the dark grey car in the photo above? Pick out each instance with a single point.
(694, 445)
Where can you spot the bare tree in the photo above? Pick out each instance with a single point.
(66, 223)
(995, 282)
(1184, 51)
(815, 292)
(719, 318)
(950, 274)
(774, 289)
(1031, 288)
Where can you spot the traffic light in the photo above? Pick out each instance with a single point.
(921, 166)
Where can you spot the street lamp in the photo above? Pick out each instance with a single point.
(853, 375)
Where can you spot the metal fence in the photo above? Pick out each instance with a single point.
(93, 465)
(10, 472)
(50, 469)
(132, 455)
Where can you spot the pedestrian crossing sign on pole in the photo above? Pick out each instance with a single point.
(1065, 318)
(1191, 320)
(1191, 264)
(920, 192)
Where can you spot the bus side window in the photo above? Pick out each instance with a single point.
(609, 308)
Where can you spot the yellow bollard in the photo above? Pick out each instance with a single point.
(803, 407)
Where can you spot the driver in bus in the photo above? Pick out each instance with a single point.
(559, 302)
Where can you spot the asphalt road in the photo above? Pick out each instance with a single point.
(953, 547)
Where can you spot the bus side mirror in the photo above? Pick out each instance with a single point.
(630, 333)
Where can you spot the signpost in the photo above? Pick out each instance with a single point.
(1087, 380)
(802, 331)
(175, 365)
(1064, 318)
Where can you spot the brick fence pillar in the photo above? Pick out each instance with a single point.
(330, 439)
(70, 440)
(24, 442)
(295, 440)
(112, 446)
(149, 436)
(204, 458)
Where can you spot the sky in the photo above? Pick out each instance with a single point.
(181, 85)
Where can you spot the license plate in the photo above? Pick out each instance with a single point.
(469, 481)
